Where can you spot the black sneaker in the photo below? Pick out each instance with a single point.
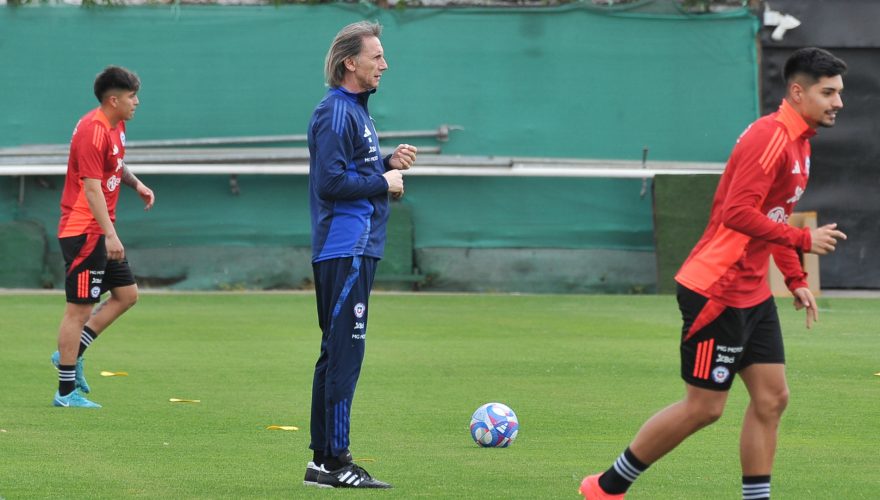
(349, 476)
(312, 471)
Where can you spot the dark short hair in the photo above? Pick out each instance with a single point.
(814, 63)
(115, 78)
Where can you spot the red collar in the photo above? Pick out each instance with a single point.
(793, 122)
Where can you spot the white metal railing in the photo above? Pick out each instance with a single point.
(427, 164)
(195, 157)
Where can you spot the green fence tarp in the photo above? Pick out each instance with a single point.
(562, 82)
(531, 212)
(452, 212)
(558, 82)
(200, 226)
(681, 211)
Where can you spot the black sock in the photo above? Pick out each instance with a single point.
(336, 463)
(756, 487)
(85, 340)
(66, 379)
(318, 458)
(625, 470)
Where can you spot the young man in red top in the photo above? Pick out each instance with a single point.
(93, 254)
(730, 321)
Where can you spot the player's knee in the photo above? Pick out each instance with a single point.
(710, 415)
(782, 401)
(131, 299)
(705, 413)
(127, 297)
(771, 406)
(78, 313)
(704, 407)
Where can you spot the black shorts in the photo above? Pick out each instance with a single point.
(718, 341)
(89, 273)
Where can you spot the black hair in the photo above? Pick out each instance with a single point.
(813, 63)
(115, 78)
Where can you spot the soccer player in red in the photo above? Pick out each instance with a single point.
(731, 325)
(94, 256)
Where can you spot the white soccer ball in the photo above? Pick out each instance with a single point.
(494, 425)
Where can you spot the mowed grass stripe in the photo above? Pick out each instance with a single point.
(582, 373)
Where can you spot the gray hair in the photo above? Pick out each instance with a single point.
(348, 43)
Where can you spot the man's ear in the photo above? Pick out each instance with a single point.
(350, 63)
(796, 91)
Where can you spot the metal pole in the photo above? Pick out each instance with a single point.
(441, 134)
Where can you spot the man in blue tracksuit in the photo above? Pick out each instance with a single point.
(349, 186)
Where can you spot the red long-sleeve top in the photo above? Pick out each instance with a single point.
(765, 176)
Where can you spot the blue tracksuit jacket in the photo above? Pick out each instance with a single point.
(347, 193)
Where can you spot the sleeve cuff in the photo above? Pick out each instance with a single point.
(807, 243)
(795, 283)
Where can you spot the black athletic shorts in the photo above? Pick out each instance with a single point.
(718, 341)
(89, 273)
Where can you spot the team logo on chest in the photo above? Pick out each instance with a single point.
(777, 214)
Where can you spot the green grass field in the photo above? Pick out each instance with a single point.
(582, 373)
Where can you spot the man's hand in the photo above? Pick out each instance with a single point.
(803, 298)
(403, 157)
(147, 195)
(115, 250)
(825, 239)
(395, 183)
